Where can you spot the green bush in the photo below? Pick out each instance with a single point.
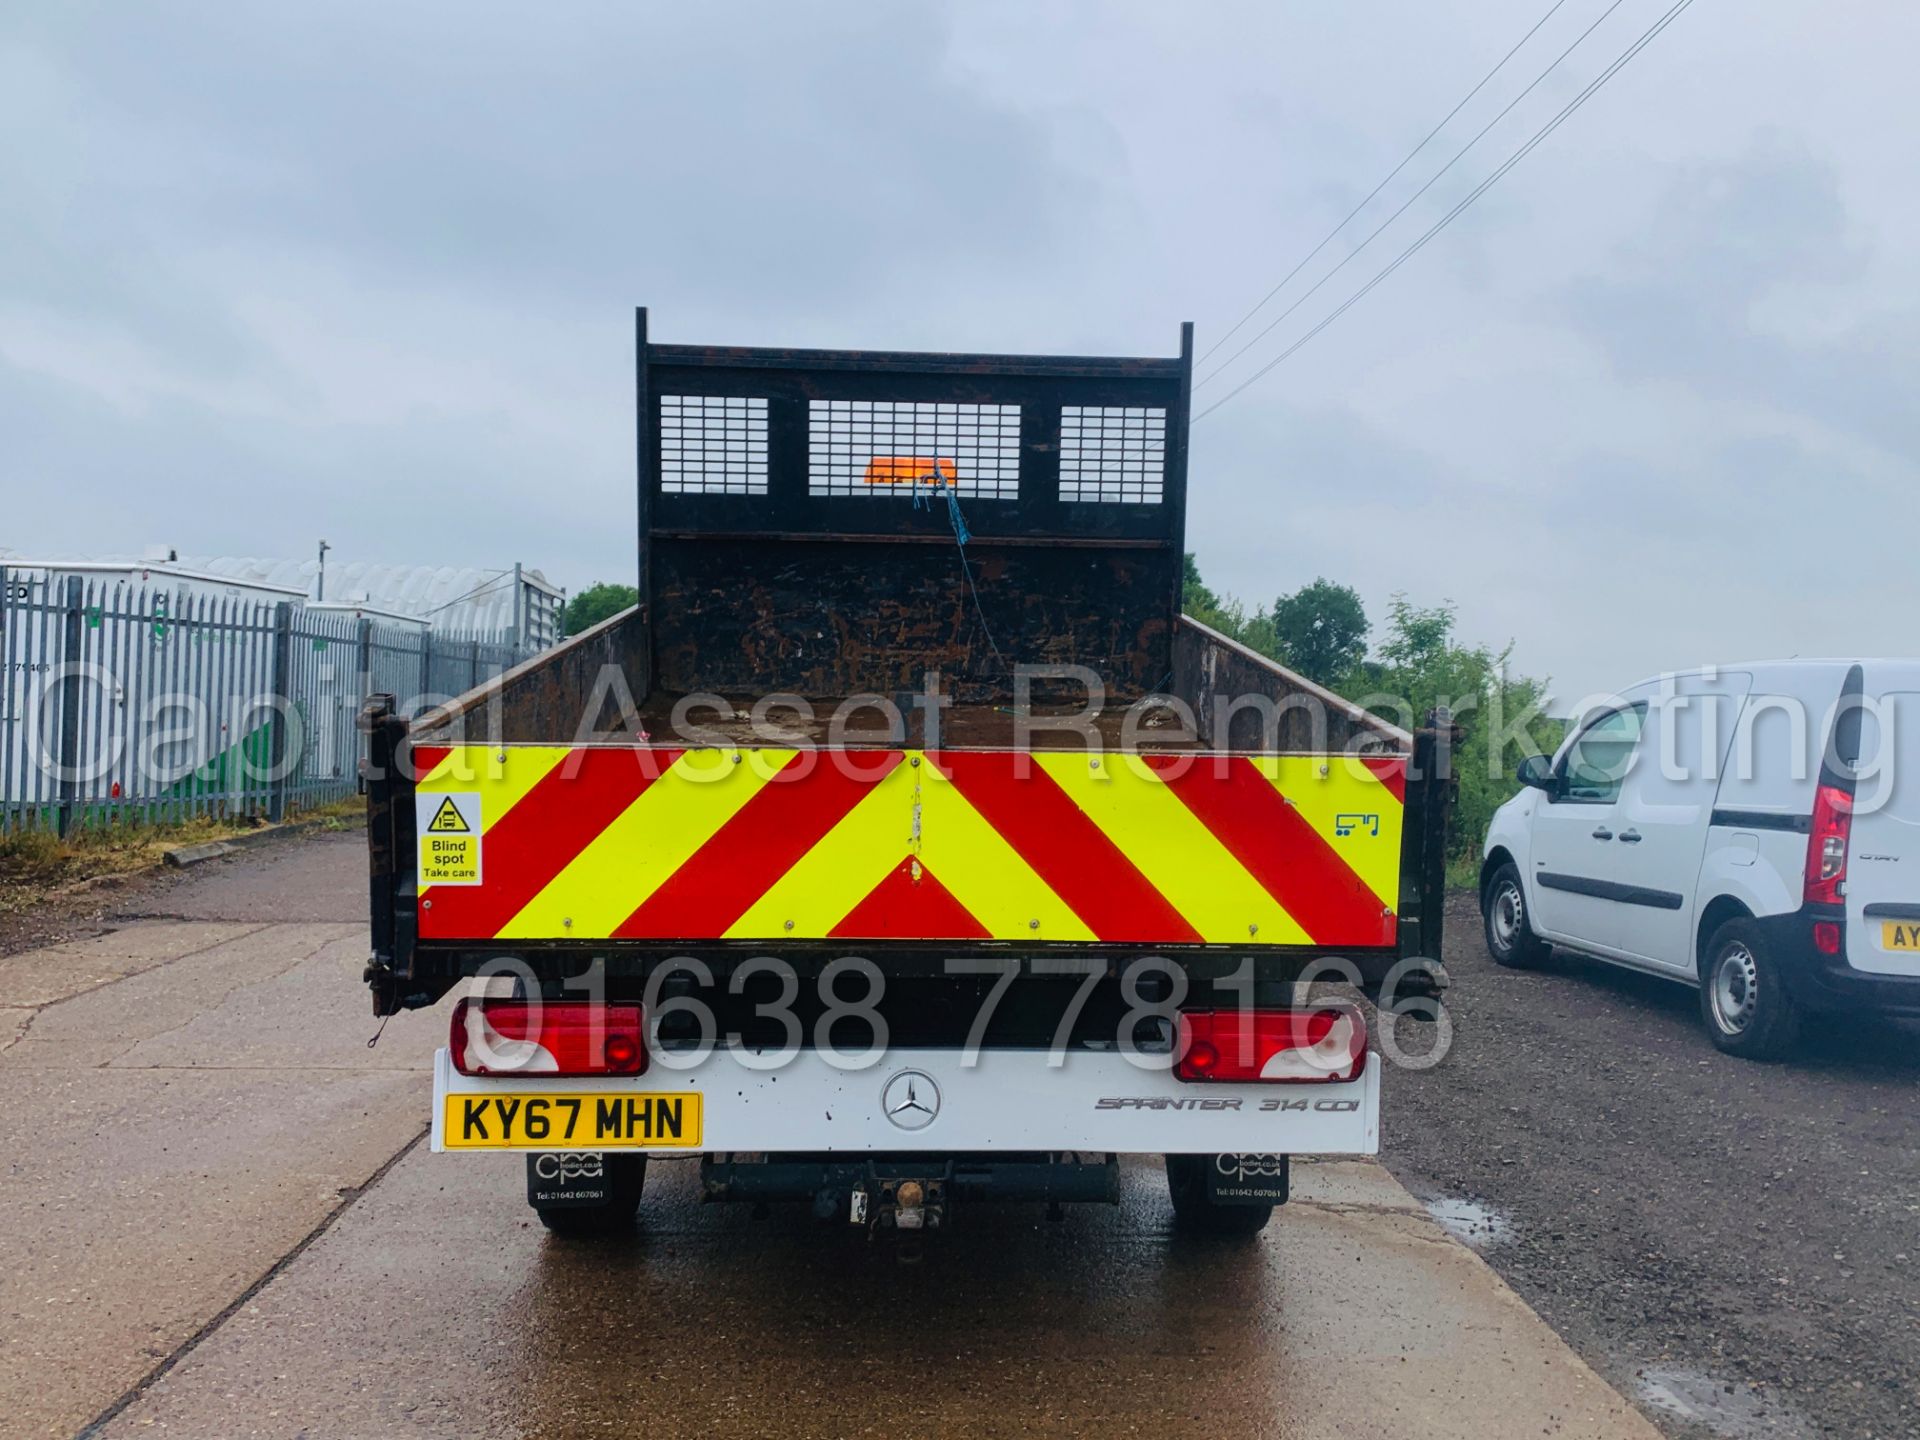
(597, 603)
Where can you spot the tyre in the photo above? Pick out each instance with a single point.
(627, 1175)
(1194, 1212)
(1744, 999)
(1503, 909)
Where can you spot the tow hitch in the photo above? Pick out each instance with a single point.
(908, 1192)
(899, 1205)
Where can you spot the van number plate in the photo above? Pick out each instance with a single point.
(572, 1122)
(1900, 934)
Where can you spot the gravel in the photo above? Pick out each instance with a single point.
(1753, 1230)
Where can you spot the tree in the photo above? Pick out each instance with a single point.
(596, 603)
(1422, 667)
(1418, 637)
(1196, 597)
(1320, 631)
(1224, 613)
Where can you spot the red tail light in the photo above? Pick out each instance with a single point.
(1827, 846)
(1286, 1047)
(562, 1037)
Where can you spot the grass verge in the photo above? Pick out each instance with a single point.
(37, 863)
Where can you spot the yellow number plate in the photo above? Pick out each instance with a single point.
(1900, 934)
(572, 1122)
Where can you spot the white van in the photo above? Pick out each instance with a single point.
(1753, 831)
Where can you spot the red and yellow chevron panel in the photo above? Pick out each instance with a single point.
(648, 843)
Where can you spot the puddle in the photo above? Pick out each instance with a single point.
(1725, 1407)
(1471, 1222)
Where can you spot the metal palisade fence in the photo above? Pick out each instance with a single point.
(153, 700)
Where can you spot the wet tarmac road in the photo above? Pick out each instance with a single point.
(435, 1306)
(220, 1242)
(1736, 1245)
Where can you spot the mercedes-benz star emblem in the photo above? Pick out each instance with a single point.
(911, 1099)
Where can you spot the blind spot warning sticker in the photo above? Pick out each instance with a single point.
(448, 825)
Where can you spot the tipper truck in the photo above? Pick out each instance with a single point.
(905, 845)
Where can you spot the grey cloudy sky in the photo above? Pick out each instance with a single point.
(367, 272)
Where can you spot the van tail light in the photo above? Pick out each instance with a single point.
(1827, 846)
(1325, 1046)
(555, 1037)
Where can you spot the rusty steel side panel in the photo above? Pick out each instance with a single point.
(546, 698)
(824, 618)
(1211, 672)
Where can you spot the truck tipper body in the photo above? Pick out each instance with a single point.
(905, 843)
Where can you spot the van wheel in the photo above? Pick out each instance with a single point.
(1510, 937)
(1194, 1212)
(627, 1175)
(1743, 996)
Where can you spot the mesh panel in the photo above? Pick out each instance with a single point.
(713, 445)
(879, 447)
(1110, 452)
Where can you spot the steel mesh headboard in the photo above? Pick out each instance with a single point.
(801, 514)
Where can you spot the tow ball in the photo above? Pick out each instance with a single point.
(899, 1205)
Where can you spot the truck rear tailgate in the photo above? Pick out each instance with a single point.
(652, 843)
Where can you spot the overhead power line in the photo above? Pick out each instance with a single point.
(487, 584)
(1408, 203)
(1619, 64)
(1327, 239)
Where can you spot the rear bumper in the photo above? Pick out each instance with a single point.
(1827, 983)
(1007, 1100)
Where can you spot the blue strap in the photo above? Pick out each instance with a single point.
(960, 531)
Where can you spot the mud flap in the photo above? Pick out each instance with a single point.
(565, 1179)
(1247, 1179)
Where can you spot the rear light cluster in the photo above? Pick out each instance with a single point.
(1827, 846)
(1322, 1046)
(1325, 1046)
(561, 1037)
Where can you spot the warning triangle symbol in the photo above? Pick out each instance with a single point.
(447, 820)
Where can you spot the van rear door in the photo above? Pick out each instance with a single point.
(1883, 856)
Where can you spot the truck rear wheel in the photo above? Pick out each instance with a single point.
(1199, 1213)
(625, 1176)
